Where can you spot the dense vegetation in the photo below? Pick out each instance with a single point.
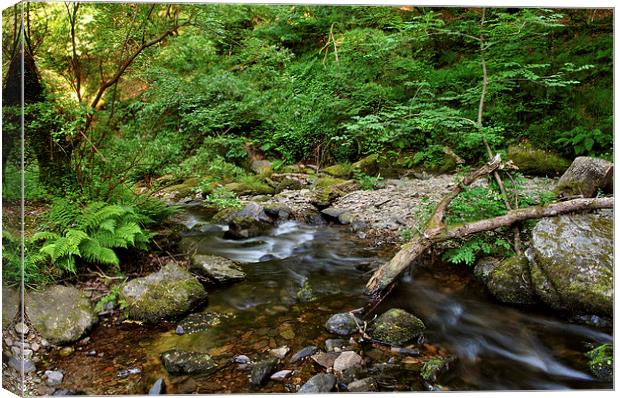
(124, 94)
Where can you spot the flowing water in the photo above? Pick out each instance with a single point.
(498, 347)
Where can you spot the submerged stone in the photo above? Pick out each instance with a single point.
(158, 388)
(342, 324)
(303, 353)
(396, 327)
(217, 269)
(319, 383)
(368, 384)
(347, 360)
(184, 362)
(261, 371)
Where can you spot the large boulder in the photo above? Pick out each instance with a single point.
(586, 176)
(507, 280)
(261, 167)
(320, 383)
(10, 305)
(169, 292)
(572, 262)
(368, 165)
(396, 327)
(217, 269)
(248, 222)
(61, 314)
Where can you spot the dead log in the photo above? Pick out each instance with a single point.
(436, 231)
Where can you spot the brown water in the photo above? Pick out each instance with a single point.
(498, 347)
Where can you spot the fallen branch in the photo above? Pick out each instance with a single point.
(436, 231)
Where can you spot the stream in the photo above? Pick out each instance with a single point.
(498, 347)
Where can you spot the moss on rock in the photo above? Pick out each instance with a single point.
(396, 327)
(537, 162)
(510, 283)
(338, 170)
(168, 293)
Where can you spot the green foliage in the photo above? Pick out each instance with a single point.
(475, 203)
(601, 356)
(222, 198)
(585, 142)
(90, 234)
(471, 249)
(365, 181)
(406, 235)
(35, 272)
(113, 296)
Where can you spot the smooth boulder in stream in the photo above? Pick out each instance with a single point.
(61, 314)
(217, 269)
(249, 222)
(342, 324)
(572, 260)
(169, 292)
(319, 383)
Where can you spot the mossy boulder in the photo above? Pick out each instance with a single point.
(396, 327)
(290, 184)
(306, 293)
(217, 269)
(185, 189)
(326, 193)
(508, 280)
(586, 176)
(572, 263)
(61, 314)
(368, 165)
(250, 187)
(168, 293)
(338, 170)
(433, 368)
(278, 210)
(533, 161)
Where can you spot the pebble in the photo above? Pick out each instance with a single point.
(35, 347)
(280, 352)
(66, 351)
(334, 344)
(346, 360)
(17, 363)
(21, 328)
(158, 388)
(54, 377)
(303, 353)
(44, 343)
(242, 359)
(91, 353)
(281, 375)
(128, 372)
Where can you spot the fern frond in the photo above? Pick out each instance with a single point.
(45, 235)
(93, 252)
(108, 225)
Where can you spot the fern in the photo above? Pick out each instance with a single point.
(90, 234)
(469, 251)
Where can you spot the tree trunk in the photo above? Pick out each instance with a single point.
(436, 231)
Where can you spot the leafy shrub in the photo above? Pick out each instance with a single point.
(475, 203)
(366, 182)
(222, 198)
(470, 250)
(35, 272)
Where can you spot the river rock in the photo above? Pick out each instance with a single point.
(280, 352)
(368, 384)
(396, 327)
(319, 383)
(248, 222)
(586, 176)
(158, 388)
(169, 292)
(216, 268)
(334, 344)
(61, 314)
(508, 280)
(434, 367)
(17, 364)
(325, 359)
(303, 353)
(281, 375)
(184, 362)
(53, 377)
(278, 211)
(572, 263)
(21, 328)
(343, 324)
(261, 371)
(347, 360)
